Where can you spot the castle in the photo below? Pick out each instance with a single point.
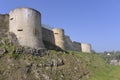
(25, 23)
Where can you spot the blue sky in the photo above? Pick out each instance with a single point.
(88, 21)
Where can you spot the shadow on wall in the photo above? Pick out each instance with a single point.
(56, 39)
(49, 39)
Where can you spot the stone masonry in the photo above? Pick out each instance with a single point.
(25, 23)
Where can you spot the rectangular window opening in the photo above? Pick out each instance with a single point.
(55, 33)
(20, 30)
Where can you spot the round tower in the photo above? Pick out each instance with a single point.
(59, 37)
(85, 47)
(25, 23)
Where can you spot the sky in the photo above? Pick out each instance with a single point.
(87, 21)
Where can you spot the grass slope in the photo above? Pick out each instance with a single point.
(54, 66)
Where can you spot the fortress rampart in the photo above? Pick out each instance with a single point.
(4, 24)
(25, 23)
(48, 35)
(77, 46)
(68, 43)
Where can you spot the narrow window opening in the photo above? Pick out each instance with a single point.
(20, 30)
(55, 33)
(11, 18)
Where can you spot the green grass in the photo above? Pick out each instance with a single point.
(98, 68)
(77, 65)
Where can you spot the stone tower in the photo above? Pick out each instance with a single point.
(25, 23)
(59, 37)
(85, 47)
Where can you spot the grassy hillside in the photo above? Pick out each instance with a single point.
(55, 65)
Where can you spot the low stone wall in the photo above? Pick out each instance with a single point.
(114, 62)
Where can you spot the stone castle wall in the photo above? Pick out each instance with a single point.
(25, 23)
(77, 46)
(4, 24)
(48, 35)
(68, 43)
